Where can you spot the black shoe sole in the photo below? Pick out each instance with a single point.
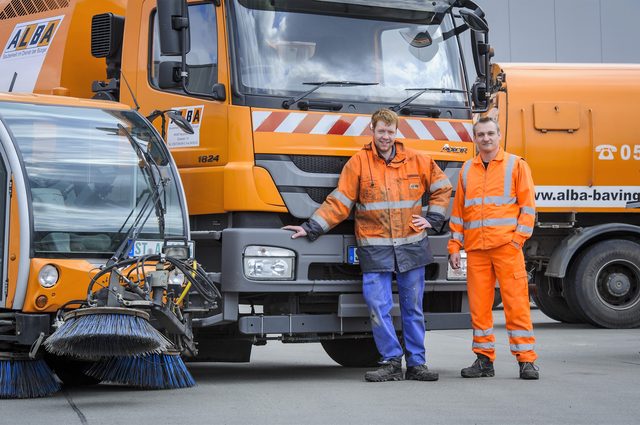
(489, 374)
(417, 378)
(394, 377)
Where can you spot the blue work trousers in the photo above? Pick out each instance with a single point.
(376, 288)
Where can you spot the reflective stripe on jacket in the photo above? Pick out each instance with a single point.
(385, 196)
(492, 206)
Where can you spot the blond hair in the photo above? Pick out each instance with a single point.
(387, 116)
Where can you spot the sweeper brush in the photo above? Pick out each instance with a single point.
(153, 371)
(95, 332)
(22, 377)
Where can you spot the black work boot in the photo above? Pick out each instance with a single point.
(420, 373)
(528, 370)
(481, 368)
(390, 370)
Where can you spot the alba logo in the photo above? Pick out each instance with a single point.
(32, 35)
(193, 115)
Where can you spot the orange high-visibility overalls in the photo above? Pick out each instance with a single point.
(493, 211)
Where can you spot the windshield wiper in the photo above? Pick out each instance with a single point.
(293, 100)
(421, 91)
(155, 189)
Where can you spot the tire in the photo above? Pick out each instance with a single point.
(361, 352)
(606, 284)
(497, 299)
(71, 371)
(554, 306)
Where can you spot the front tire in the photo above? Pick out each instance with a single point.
(71, 371)
(606, 284)
(353, 352)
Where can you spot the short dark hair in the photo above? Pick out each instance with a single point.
(484, 120)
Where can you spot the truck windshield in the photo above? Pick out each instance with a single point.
(85, 177)
(280, 45)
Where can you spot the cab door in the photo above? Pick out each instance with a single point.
(201, 156)
(5, 196)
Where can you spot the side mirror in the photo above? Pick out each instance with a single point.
(169, 75)
(218, 92)
(173, 25)
(180, 121)
(479, 95)
(473, 20)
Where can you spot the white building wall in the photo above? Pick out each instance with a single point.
(593, 31)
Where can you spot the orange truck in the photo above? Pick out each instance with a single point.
(279, 96)
(76, 191)
(576, 127)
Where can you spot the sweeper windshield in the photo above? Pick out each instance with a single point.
(87, 180)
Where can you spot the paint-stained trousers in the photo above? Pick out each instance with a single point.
(506, 264)
(376, 289)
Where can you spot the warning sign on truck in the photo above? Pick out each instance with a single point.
(176, 138)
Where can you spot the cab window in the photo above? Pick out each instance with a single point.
(202, 59)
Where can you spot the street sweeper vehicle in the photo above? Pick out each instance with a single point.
(96, 265)
(576, 126)
(279, 94)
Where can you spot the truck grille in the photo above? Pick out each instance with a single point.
(319, 164)
(29, 7)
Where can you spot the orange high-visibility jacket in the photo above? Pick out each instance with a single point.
(492, 206)
(385, 196)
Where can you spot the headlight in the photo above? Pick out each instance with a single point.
(176, 278)
(268, 263)
(461, 273)
(48, 276)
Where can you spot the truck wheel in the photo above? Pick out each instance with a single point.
(497, 299)
(71, 371)
(553, 306)
(355, 352)
(606, 285)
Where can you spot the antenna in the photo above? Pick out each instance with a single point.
(133, 96)
(13, 81)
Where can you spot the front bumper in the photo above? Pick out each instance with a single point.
(328, 249)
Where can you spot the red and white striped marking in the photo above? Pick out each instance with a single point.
(350, 125)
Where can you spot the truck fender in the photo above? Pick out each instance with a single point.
(564, 252)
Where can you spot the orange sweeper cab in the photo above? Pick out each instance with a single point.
(92, 215)
(279, 95)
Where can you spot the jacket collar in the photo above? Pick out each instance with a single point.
(400, 157)
(499, 156)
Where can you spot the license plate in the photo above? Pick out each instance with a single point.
(352, 255)
(152, 247)
(461, 273)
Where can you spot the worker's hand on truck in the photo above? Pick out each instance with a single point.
(454, 260)
(299, 231)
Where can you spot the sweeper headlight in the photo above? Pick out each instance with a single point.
(268, 263)
(48, 276)
(176, 278)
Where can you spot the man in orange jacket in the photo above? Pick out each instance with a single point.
(385, 182)
(493, 215)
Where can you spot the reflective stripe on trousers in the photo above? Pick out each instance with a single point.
(506, 264)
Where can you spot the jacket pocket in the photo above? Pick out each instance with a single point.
(369, 191)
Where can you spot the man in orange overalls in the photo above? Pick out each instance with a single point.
(493, 215)
(385, 182)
